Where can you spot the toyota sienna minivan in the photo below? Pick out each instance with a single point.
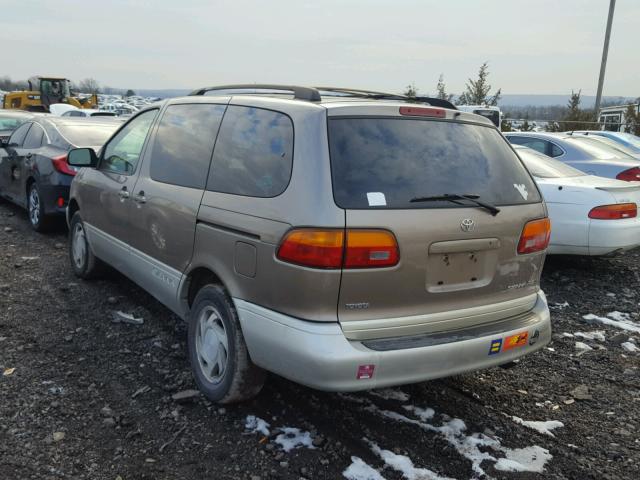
(343, 239)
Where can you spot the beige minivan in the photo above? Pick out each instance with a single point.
(343, 239)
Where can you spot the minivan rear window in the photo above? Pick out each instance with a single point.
(385, 162)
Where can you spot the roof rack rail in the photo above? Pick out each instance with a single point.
(299, 93)
(436, 102)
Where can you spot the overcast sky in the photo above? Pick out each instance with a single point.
(532, 46)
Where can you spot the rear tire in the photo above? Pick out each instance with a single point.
(218, 353)
(39, 221)
(83, 262)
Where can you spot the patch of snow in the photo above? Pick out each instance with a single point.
(291, 438)
(551, 349)
(542, 427)
(595, 335)
(359, 470)
(391, 394)
(629, 347)
(529, 459)
(256, 424)
(403, 464)
(583, 347)
(560, 306)
(612, 295)
(621, 321)
(567, 335)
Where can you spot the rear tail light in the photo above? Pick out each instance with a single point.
(614, 212)
(630, 175)
(320, 248)
(61, 165)
(370, 249)
(423, 112)
(535, 236)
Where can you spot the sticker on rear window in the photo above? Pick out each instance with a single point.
(376, 199)
(522, 189)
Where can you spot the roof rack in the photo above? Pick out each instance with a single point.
(299, 93)
(312, 94)
(436, 102)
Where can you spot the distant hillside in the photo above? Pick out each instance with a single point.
(587, 101)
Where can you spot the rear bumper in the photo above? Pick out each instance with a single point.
(613, 236)
(50, 193)
(318, 354)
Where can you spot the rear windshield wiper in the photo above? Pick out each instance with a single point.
(456, 197)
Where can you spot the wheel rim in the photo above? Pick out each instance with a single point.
(34, 206)
(212, 345)
(78, 245)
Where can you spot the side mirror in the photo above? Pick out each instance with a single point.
(82, 157)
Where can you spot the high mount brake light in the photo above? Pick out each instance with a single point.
(61, 165)
(617, 211)
(327, 248)
(423, 112)
(630, 175)
(535, 236)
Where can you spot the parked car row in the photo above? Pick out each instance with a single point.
(274, 219)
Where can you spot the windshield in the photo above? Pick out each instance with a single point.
(87, 135)
(596, 148)
(542, 166)
(385, 162)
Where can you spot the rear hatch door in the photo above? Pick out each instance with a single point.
(458, 262)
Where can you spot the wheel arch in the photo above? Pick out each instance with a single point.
(195, 279)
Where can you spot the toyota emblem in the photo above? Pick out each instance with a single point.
(467, 225)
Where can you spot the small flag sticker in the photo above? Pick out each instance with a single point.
(495, 346)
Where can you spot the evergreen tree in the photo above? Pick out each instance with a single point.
(411, 92)
(130, 93)
(576, 118)
(632, 119)
(441, 89)
(477, 92)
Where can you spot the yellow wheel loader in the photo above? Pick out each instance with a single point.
(49, 91)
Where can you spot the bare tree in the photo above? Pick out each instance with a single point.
(89, 85)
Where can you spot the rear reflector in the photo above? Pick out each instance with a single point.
(370, 249)
(423, 112)
(61, 165)
(614, 212)
(313, 248)
(535, 236)
(320, 248)
(630, 175)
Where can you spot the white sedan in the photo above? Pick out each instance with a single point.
(589, 215)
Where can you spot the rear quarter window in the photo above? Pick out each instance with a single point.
(385, 162)
(253, 155)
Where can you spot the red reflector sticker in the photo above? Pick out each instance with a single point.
(517, 340)
(365, 372)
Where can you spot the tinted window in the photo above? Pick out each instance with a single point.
(556, 151)
(545, 167)
(184, 143)
(253, 154)
(10, 123)
(534, 143)
(384, 163)
(87, 134)
(34, 137)
(122, 153)
(17, 137)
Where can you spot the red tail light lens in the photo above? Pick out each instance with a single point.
(630, 175)
(423, 112)
(61, 165)
(370, 249)
(614, 212)
(535, 236)
(320, 248)
(313, 248)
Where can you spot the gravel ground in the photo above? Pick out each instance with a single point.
(82, 397)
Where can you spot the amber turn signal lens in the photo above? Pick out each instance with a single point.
(313, 248)
(535, 236)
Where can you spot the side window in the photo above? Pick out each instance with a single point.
(17, 137)
(123, 151)
(556, 151)
(254, 153)
(34, 137)
(183, 144)
(533, 143)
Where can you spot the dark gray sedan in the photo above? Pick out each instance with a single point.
(34, 172)
(586, 154)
